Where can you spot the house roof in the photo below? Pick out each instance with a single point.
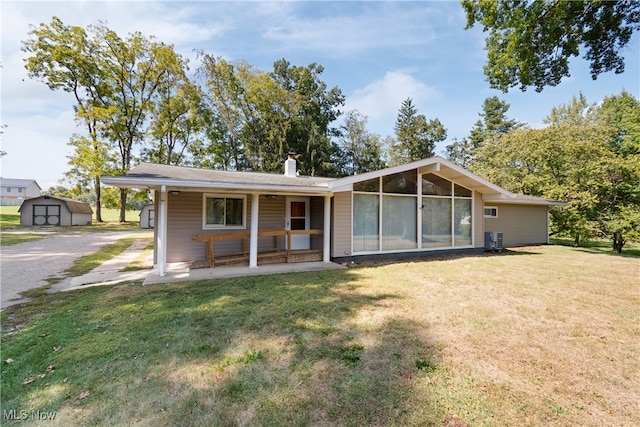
(148, 175)
(15, 182)
(74, 206)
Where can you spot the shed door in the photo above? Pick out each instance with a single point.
(46, 215)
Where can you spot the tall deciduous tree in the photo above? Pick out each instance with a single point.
(416, 138)
(361, 151)
(66, 58)
(115, 82)
(530, 43)
(572, 159)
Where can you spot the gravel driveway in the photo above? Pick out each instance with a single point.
(28, 265)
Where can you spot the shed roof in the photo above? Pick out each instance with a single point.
(74, 206)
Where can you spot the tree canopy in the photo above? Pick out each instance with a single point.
(530, 43)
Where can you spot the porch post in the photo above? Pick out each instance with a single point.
(162, 233)
(253, 239)
(326, 253)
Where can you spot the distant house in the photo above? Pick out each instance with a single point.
(50, 210)
(14, 191)
(212, 217)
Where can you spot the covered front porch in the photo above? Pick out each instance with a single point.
(268, 228)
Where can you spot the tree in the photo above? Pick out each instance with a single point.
(530, 43)
(361, 150)
(621, 113)
(573, 160)
(416, 138)
(266, 115)
(493, 121)
(64, 58)
(114, 81)
(179, 117)
(310, 130)
(136, 69)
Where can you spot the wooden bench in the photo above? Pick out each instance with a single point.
(245, 236)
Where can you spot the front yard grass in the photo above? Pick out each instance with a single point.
(534, 336)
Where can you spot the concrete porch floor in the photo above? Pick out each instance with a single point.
(180, 271)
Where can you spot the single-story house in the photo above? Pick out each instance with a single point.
(147, 216)
(210, 217)
(15, 191)
(51, 210)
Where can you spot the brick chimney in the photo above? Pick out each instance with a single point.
(290, 166)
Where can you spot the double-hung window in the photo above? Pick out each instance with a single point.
(224, 212)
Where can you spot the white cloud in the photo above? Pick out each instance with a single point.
(381, 100)
(345, 32)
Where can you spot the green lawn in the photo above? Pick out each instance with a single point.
(535, 336)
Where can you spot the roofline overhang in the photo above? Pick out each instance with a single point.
(180, 184)
(431, 165)
(518, 201)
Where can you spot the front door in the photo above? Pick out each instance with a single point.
(297, 218)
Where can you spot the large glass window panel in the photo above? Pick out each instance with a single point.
(401, 183)
(399, 223)
(366, 222)
(215, 211)
(369, 186)
(462, 221)
(436, 222)
(223, 212)
(234, 212)
(433, 185)
(460, 191)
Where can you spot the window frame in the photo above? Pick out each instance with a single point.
(206, 226)
(484, 211)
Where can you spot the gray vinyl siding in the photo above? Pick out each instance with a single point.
(520, 224)
(185, 221)
(341, 218)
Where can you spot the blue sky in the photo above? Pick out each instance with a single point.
(378, 53)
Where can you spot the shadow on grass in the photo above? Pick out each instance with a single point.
(296, 349)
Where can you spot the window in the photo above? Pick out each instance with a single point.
(8, 189)
(20, 189)
(366, 222)
(490, 212)
(436, 222)
(398, 223)
(223, 212)
(369, 186)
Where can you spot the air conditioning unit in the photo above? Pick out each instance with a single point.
(493, 241)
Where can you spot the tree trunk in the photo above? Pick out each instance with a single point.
(576, 241)
(98, 191)
(123, 204)
(618, 242)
